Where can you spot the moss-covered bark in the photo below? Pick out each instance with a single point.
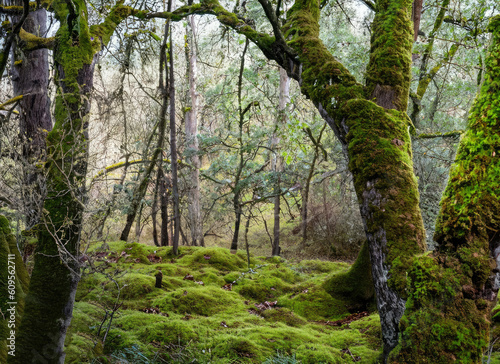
(56, 272)
(12, 270)
(451, 293)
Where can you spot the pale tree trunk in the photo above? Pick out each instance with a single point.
(191, 119)
(277, 160)
(30, 78)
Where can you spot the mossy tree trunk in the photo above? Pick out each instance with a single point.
(56, 272)
(370, 122)
(13, 288)
(452, 291)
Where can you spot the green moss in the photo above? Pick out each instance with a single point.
(283, 315)
(219, 258)
(390, 53)
(13, 286)
(314, 304)
(131, 286)
(169, 332)
(452, 293)
(201, 300)
(355, 285)
(238, 348)
(319, 354)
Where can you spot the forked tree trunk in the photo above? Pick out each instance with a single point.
(191, 119)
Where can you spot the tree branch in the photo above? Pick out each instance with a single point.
(4, 55)
(450, 134)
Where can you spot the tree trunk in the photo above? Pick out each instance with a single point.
(13, 277)
(452, 292)
(30, 78)
(237, 183)
(163, 208)
(191, 118)
(277, 160)
(49, 303)
(173, 152)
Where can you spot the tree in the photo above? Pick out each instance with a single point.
(371, 123)
(191, 121)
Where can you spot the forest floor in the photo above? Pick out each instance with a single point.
(213, 307)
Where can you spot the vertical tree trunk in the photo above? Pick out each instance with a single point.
(13, 276)
(30, 78)
(163, 208)
(173, 152)
(49, 303)
(237, 183)
(452, 292)
(191, 118)
(154, 209)
(277, 160)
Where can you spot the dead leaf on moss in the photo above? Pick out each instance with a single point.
(266, 305)
(228, 287)
(189, 277)
(153, 258)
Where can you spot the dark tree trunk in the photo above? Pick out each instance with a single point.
(164, 184)
(49, 303)
(173, 153)
(30, 78)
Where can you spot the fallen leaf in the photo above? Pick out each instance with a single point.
(189, 277)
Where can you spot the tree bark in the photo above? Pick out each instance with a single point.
(56, 271)
(49, 303)
(277, 160)
(30, 78)
(237, 179)
(452, 292)
(12, 274)
(173, 152)
(191, 119)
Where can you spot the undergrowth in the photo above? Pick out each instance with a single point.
(212, 308)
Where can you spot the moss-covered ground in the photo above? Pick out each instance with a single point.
(212, 308)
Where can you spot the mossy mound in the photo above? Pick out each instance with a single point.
(210, 308)
(354, 285)
(219, 258)
(200, 300)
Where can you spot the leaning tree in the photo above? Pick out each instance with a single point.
(448, 294)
